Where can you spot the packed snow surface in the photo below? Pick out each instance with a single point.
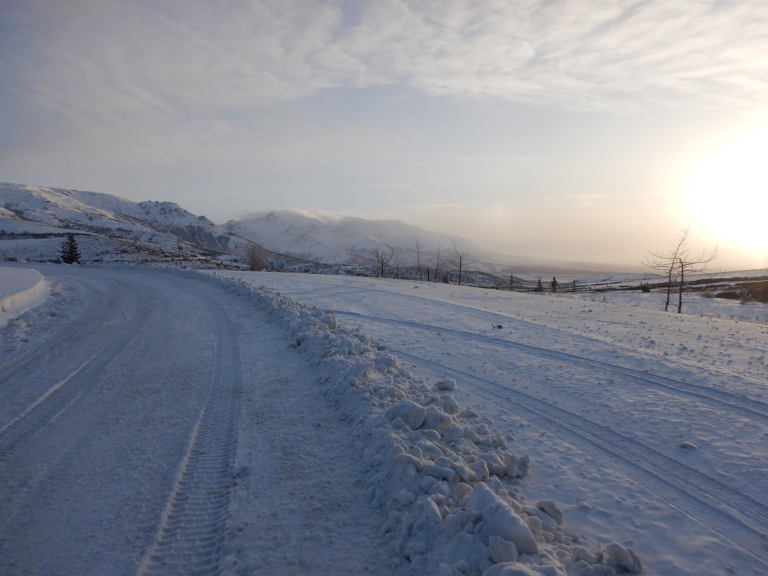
(157, 424)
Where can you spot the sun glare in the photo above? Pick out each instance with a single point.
(728, 192)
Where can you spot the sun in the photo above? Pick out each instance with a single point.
(728, 192)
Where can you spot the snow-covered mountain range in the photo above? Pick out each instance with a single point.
(36, 218)
(326, 238)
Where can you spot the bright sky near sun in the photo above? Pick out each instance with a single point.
(586, 130)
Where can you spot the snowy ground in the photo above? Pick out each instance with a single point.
(602, 396)
(696, 305)
(151, 422)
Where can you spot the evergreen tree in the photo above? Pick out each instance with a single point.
(539, 286)
(553, 284)
(69, 252)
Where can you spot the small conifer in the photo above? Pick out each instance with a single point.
(69, 252)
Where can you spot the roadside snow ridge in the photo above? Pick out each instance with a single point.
(447, 481)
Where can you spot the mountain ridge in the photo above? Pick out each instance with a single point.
(108, 224)
(332, 239)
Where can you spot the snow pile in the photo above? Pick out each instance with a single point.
(20, 290)
(447, 481)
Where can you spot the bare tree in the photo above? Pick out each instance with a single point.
(692, 265)
(677, 262)
(382, 258)
(460, 258)
(418, 257)
(255, 257)
(667, 262)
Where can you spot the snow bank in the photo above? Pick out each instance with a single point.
(20, 290)
(447, 481)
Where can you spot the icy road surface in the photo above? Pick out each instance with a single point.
(645, 426)
(152, 424)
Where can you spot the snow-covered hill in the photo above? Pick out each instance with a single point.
(37, 217)
(331, 239)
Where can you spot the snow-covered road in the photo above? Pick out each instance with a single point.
(604, 398)
(152, 424)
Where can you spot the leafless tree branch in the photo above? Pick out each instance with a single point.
(383, 258)
(255, 257)
(460, 258)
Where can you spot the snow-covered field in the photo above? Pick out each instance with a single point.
(693, 304)
(164, 422)
(604, 398)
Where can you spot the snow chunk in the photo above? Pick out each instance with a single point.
(411, 413)
(581, 553)
(501, 520)
(501, 550)
(551, 509)
(518, 466)
(623, 558)
(447, 384)
(359, 371)
(432, 512)
(435, 419)
(405, 497)
(465, 548)
(511, 569)
(440, 472)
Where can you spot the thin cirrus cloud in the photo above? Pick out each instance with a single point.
(180, 79)
(195, 58)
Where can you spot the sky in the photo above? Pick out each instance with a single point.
(572, 130)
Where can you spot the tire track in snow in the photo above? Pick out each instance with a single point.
(193, 524)
(50, 391)
(718, 399)
(90, 321)
(530, 323)
(736, 513)
(62, 395)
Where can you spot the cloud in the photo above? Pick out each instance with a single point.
(198, 57)
(138, 83)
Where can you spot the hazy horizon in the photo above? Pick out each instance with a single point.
(568, 131)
